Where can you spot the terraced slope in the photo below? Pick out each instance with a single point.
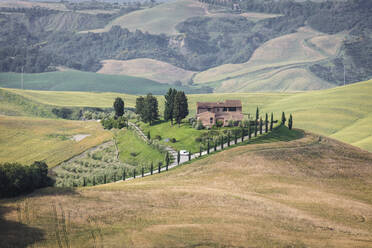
(301, 193)
(278, 65)
(147, 68)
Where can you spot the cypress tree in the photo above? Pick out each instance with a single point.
(159, 165)
(228, 139)
(290, 122)
(242, 131)
(104, 179)
(260, 125)
(181, 109)
(114, 176)
(200, 151)
(257, 114)
(222, 140)
(283, 118)
(140, 106)
(169, 105)
(208, 146)
(255, 128)
(236, 137)
(249, 131)
(152, 168)
(84, 182)
(119, 107)
(178, 157)
(215, 144)
(143, 172)
(266, 123)
(124, 175)
(148, 135)
(167, 159)
(271, 122)
(189, 155)
(94, 181)
(134, 173)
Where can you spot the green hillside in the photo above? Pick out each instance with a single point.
(85, 81)
(343, 113)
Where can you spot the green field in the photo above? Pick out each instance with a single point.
(294, 193)
(84, 81)
(25, 139)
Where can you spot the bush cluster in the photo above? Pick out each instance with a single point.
(16, 179)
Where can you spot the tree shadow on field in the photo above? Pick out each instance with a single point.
(15, 234)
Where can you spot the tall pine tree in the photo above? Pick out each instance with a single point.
(169, 105)
(151, 110)
(181, 109)
(266, 123)
(283, 118)
(271, 122)
(290, 122)
(140, 106)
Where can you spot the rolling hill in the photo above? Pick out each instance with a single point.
(160, 19)
(343, 113)
(284, 194)
(280, 64)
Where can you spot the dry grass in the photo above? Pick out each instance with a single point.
(26, 140)
(302, 193)
(146, 68)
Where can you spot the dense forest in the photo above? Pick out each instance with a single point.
(205, 42)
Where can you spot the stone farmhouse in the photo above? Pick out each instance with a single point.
(211, 112)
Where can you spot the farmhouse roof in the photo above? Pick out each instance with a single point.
(227, 103)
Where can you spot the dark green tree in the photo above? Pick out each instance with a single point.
(167, 159)
(208, 146)
(119, 107)
(169, 105)
(140, 106)
(189, 155)
(152, 168)
(181, 109)
(261, 122)
(290, 122)
(283, 118)
(148, 135)
(271, 122)
(200, 151)
(249, 130)
(143, 172)
(266, 123)
(257, 114)
(151, 110)
(255, 128)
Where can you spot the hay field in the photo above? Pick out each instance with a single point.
(146, 68)
(26, 139)
(301, 193)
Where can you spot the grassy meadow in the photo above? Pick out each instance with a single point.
(294, 193)
(134, 151)
(29, 139)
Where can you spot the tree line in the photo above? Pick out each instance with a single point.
(16, 179)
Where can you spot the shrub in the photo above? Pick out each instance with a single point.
(173, 140)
